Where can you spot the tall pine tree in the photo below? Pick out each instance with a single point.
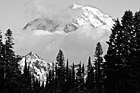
(60, 61)
(11, 71)
(118, 57)
(135, 55)
(79, 77)
(98, 67)
(90, 76)
(113, 58)
(73, 77)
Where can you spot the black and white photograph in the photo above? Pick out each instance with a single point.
(69, 46)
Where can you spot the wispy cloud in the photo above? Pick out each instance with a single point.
(44, 33)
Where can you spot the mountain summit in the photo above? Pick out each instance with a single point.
(87, 16)
(37, 66)
(92, 16)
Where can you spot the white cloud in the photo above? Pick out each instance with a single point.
(77, 45)
(44, 33)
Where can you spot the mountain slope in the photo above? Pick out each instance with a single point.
(38, 67)
(42, 23)
(92, 16)
(88, 16)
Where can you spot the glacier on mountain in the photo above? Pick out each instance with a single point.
(92, 16)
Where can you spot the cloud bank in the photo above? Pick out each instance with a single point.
(44, 33)
(77, 45)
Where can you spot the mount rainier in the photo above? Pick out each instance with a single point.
(88, 16)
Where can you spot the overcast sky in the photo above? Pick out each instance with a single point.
(15, 14)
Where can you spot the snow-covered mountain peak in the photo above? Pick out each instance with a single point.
(87, 16)
(32, 55)
(38, 67)
(92, 16)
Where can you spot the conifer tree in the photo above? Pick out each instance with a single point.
(90, 76)
(26, 79)
(79, 77)
(2, 65)
(67, 70)
(88, 79)
(118, 57)
(113, 58)
(136, 49)
(60, 59)
(98, 67)
(50, 80)
(53, 78)
(57, 85)
(11, 71)
(83, 77)
(135, 55)
(73, 77)
(128, 45)
(127, 36)
(36, 86)
(9, 45)
(61, 69)
(67, 76)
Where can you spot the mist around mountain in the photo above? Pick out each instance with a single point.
(77, 34)
(78, 38)
(85, 15)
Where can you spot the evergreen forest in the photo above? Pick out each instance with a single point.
(118, 71)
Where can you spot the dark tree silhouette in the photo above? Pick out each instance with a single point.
(60, 59)
(83, 78)
(113, 58)
(135, 54)
(67, 77)
(136, 49)
(11, 71)
(26, 79)
(89, 78)
(98, 68)
(73, 77)
(119, 57)
(2, 65)
(79, 77)
(61, 70)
